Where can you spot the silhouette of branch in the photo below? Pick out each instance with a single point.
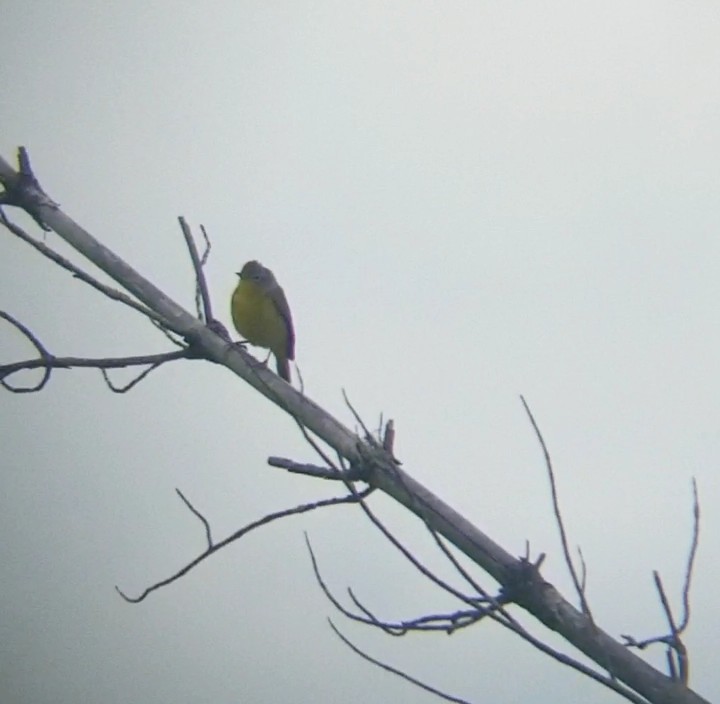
(471, 616)
(353, 474)
(112, 293)
(425, 571)
(676, 651)
(131, 384)
(45, 361)
(48, 362)
(675, 644)
(695, 541)
(396, 629)
(446, 623)
(203, 304)
(388, 440)
(212, 547)
(395, 670)
(496, 611)
(578, 583)
(23, 190)
(540, 597)
(199, 516)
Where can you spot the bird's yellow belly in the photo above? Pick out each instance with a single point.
(257, 319)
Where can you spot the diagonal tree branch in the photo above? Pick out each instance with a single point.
(538, 597)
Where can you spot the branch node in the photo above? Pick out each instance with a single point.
(24, 191)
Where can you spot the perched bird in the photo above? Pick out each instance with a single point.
(261, 314)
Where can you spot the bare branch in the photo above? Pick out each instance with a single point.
(369, 619)
(583, 569)
(545, 603)
(394, 670)
(446, 623)
(103, 363)
(579, 586)
(369, 437)
(674, 642)
(78, 273)
(202, 296)
(131, 384)
(45, 361)
(313, 470)
(215, 547)
(92, 362)
(676, 652)
(691, 559)
(507, 621)
(208, 531)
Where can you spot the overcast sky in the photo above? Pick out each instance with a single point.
(464, 202)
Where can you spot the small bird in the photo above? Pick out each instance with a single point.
(261, 314)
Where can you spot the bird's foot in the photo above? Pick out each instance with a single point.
(219, 329)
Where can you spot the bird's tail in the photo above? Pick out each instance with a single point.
(283, 368)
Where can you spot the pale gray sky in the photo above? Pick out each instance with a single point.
(464, 202)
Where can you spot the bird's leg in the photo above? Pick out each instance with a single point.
(242, 344)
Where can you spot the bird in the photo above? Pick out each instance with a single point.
(261, 314)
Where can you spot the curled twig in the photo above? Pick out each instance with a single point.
(45, 361)
(50, 362)
(446, 622)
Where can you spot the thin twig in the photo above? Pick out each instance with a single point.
(691, 559)
(131, 384)
(200, 517)
(579, 588)
(447, 623)
(45, 361)
(676, 651)
(202, 296)
(394, 670)
(90, 362)
(674, 642)
(78, 273)
(368, 619)
(303, 508)
(513, 625)
(313, 470)
(368, 435)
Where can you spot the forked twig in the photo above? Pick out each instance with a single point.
(202, 295)
(676, 652)
(215, 547)
(447, 623)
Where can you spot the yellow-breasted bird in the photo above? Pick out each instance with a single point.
(261, 314)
